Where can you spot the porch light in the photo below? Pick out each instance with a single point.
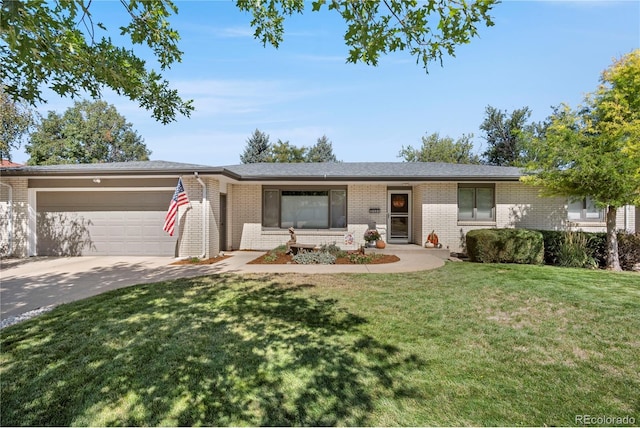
(97, 180)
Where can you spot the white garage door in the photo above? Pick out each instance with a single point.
(103, 223)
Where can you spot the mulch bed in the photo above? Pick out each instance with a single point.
(210, 261)
(284, 259)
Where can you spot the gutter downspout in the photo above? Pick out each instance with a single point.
(10, 228)
(204, 217)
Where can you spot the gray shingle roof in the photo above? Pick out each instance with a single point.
(134, 168)
(370, 171)
(335, 171)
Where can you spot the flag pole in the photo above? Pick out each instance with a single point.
(178, 217)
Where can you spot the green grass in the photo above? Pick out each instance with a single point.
(467, 344)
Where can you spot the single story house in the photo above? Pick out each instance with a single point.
(119, 208)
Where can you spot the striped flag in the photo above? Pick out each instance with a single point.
(179, 198)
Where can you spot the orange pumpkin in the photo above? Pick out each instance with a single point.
(433, 238)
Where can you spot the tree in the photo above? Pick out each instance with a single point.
(257, 149)
(58, 45)
(593, 151)
(284, 152)
(16, 121)
(428, 30)
(506, 136)
(437, 149)
(62, 46)
(322, 151)
(88, 132)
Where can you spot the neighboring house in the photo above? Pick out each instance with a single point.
(7, 163)
(119, 208)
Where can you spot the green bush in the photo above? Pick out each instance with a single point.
(314, 258)
(596, 246)
(505, 246)
(574, 251)
(333, 249)
(272, 255)
(360, 259)
(629, 250)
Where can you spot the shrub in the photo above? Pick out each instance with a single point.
(629, 250)
(505, 246)
(272, 255)
(314, 258)
(574, 251)
(360, 259)
(333, 249)
(596, 246)
(552, 241)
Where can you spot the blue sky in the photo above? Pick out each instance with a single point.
(538, 54)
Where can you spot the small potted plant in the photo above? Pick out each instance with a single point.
(371, 236)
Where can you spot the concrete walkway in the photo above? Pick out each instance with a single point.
(28, 284)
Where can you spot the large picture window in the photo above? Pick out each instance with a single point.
(584, 210)
(304, 208)
(476, 202)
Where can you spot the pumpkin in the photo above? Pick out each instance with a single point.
(433, 238)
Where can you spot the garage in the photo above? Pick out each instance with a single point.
(104, 223)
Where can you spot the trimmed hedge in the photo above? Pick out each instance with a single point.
(505, 246)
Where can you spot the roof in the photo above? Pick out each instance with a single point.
(158, 167)
(373, 171)
(333, 171)
(6, 162)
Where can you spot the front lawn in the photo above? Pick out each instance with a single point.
(466, 344)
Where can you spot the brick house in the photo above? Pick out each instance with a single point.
(119, 208)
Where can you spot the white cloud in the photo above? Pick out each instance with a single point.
(229, 32)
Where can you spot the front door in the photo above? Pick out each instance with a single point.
(399, 216)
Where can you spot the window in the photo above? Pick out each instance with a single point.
(476, 202)
(584, 210)
(306, 208)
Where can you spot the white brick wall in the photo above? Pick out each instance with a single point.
(192, 234)
(245, 215)
(245, 219)
(19, 214)
(361, 197)
(517, 205)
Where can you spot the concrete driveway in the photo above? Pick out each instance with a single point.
(27, 284)
(38, 282)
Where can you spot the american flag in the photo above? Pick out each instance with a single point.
(179, 198)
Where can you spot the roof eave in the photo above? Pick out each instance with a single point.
(375, 178)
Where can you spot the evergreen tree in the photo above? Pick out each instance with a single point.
(506, 136)
(257, 149)
(322, 151)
